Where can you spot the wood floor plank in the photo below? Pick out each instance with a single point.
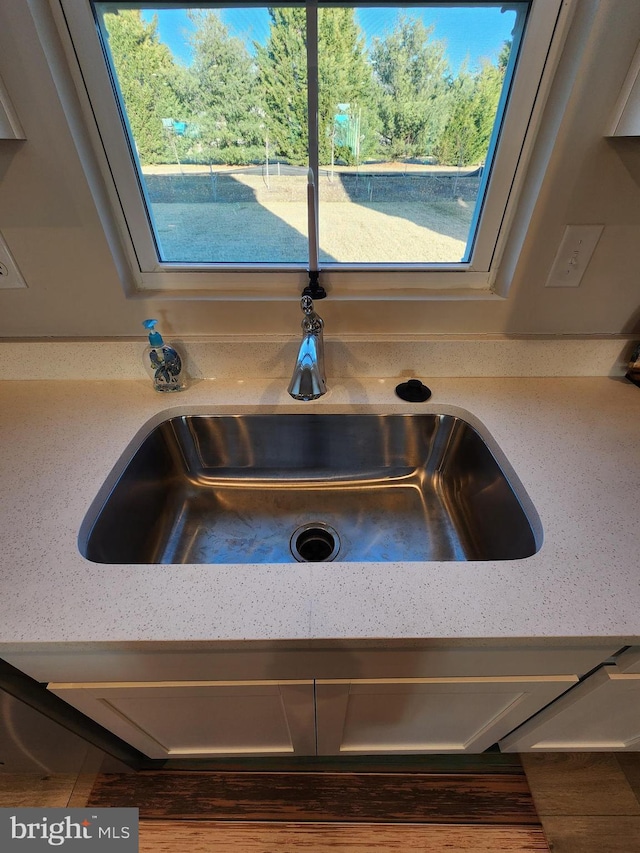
(588, 834)
(354, 797)
(211, 837)
(629, 762)
(588, 783)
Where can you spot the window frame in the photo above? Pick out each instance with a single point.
(127, 215)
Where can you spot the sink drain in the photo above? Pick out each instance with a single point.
(315, 543)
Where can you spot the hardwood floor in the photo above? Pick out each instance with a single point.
(325, 812)
(461, 798)
(211, 837)
(587, 803)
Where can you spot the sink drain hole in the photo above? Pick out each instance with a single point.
(315, 543)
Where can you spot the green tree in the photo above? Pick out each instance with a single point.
(413, 75)
(466, 137)
(224, 92)
(505, 55)
(346, 88)
(149, 80)
(344, 77)
(458, 137)
(488, 89)
(282, 72)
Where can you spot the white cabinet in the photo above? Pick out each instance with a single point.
(200, 719)
(601, 714)
(202, 702)
(422, 715)
(406, 715)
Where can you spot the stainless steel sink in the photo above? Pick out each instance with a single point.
(310, 487)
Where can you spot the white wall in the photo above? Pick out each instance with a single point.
(49, 219)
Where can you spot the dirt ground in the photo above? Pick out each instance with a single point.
(276, 232)
(404, 212)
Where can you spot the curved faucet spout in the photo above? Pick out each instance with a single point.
(308, 381)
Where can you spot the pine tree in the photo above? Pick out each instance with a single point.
(225, 98)
(346, 88)
(467, 135)
(414, 102)
(344, 77)
(282, 74)
(458, 137)
(485, 106)
(148, 78)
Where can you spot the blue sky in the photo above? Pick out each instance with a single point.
(470, 33)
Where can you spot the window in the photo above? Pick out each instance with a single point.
(375, 142)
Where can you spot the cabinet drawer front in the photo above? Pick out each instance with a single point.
(199, 719)
(599, 715)
(422, 715)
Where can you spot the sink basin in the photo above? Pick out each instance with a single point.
(310, 487)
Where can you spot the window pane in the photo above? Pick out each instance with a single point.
(214, 101)
(409, 98)
(215, 105)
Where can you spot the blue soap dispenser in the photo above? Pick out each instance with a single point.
(162, 361)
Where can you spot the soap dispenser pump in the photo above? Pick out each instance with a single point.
(162, 361)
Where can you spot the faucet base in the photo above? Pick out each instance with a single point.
(308, 380)
(307, 397)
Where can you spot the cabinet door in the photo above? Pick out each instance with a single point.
(601, 714)
(629, 661)
(424, 715)
(203, 718)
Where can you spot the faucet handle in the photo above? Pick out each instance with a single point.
(312, 323)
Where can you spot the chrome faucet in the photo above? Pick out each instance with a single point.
(308, 381)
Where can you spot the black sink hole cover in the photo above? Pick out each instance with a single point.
(413, 391)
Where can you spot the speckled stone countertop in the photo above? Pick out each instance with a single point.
(573, 442)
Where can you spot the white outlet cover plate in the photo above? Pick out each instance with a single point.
(573, 256)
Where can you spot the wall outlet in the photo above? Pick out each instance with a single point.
(10, 275)
(574, 254)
